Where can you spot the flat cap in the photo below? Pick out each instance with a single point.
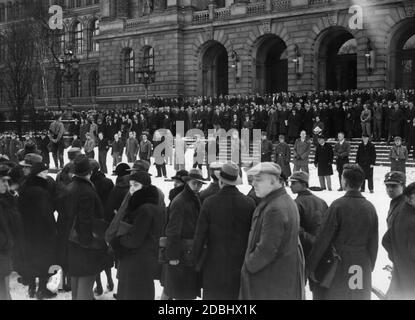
(265, 168)
(300, 176)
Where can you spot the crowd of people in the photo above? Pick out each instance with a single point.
(263, 245)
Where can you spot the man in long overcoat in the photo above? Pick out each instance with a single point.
(366, 159)
(181, 280)
(323, 160)
(272, 268)
(351, 228)
(223, 227)
(283, 156)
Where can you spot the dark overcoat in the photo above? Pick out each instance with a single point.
(271, 269)
(116, 197)
(366, 157)
(139, 246)
(84, 206)
(211, 190)
(37, 207)
(181, 282)
(324, 160)
(283, 158)
(399, 242)
(352, 228)
(223, 226)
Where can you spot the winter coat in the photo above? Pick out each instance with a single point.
(37, 207)
(312, 212)
(117, 147)
(132, 146)
(398, 156)
(395, 122)
(145, 150)
(84, 206)
(223, 226)
(14, 146)
(366, 157)
(301, 149)
(253, 196)
(103, 186)
(211, 190)
(272, 128)
(181, 282)
(116, 197)
(266, 150)
(11, 237)
(324, 159)
(139, 246)
(399, 242)
(294, 124)
(283, 157)
(352, 228)
(272, 268)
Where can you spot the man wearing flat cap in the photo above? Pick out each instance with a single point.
(222, 236)
(273, 267)
(312, 210)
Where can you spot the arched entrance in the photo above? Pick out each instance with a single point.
(404, 64)
(271, 65)
(215, 70)
(337, 60)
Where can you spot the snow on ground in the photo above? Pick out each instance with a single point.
(380, 199)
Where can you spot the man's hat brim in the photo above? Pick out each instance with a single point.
(24, 164)
(188, 178)
(236, 182)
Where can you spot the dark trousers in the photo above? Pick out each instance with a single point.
(340, 164)
(57, 152)
(369, 178)
(161, 168)
(102, 159)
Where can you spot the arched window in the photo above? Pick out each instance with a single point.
(78, 37)
(128, 66)
(93, 83)
(349, 47)
(76, 85)
(93, 33)
(59, 41)
(148, 58)
(409, 44)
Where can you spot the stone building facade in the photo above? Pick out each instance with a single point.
(213, 47)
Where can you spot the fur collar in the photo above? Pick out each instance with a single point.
(148, 194)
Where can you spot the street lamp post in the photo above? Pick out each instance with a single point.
(68, 67)
(146, 75)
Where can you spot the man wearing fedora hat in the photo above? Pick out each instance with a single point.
(181, 280)
(222, 236)
(29, 160)
(273, 266)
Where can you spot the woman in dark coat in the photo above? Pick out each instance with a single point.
(85, 259)
(138, 243)
(351, 228)
(181, 280)
(37, 207)
(323, 161)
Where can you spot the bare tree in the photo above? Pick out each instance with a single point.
(28, 43)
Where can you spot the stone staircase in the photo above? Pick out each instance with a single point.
(382, 151)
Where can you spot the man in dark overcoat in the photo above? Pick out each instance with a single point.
(283, 156)
(366, 159)
(351, 228)
(323, 161)
(341, 152)
(273, 265)
(223, 227)
(181, 280)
